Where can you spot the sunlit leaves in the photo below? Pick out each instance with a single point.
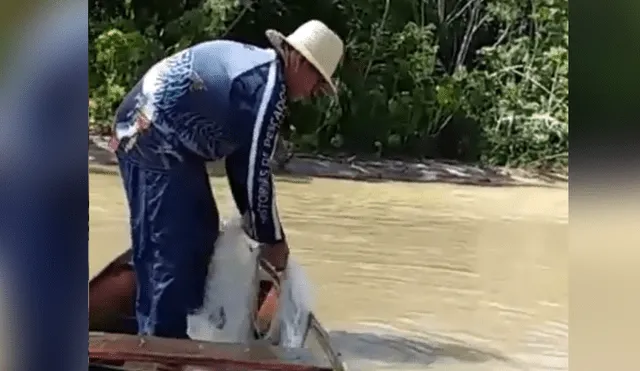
(411, 70)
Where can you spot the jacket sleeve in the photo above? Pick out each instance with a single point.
(248, 168)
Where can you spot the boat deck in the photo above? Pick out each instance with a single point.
(177, 354)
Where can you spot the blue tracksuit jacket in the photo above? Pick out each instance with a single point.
(216, 100)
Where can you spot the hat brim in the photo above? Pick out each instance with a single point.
(277, 39)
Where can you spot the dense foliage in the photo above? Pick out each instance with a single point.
(464, 79)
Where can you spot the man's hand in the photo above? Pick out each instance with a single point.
(277, 255)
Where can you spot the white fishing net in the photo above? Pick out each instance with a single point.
(231, 289)
(295, 306)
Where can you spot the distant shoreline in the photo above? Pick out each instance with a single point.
(101, 161)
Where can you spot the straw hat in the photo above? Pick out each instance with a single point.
(318, 44)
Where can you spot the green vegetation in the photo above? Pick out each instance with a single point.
(462, 79)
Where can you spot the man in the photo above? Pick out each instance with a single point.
(215, 100)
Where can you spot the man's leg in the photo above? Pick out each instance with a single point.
(174, 225)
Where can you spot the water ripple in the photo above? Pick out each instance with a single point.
(411, 276)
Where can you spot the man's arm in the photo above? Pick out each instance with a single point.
(249, 167)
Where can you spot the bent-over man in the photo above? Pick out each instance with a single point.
(215, 100)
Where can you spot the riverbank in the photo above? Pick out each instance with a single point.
(304, 167)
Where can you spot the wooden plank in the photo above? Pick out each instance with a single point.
(131, 348)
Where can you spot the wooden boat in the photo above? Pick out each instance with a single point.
(113, 344)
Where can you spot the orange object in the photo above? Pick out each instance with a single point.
(267, 311)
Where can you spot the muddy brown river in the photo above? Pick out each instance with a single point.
(413, 276)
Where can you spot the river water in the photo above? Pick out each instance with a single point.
(413, 276)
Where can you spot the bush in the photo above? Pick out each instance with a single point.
(437, 78)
